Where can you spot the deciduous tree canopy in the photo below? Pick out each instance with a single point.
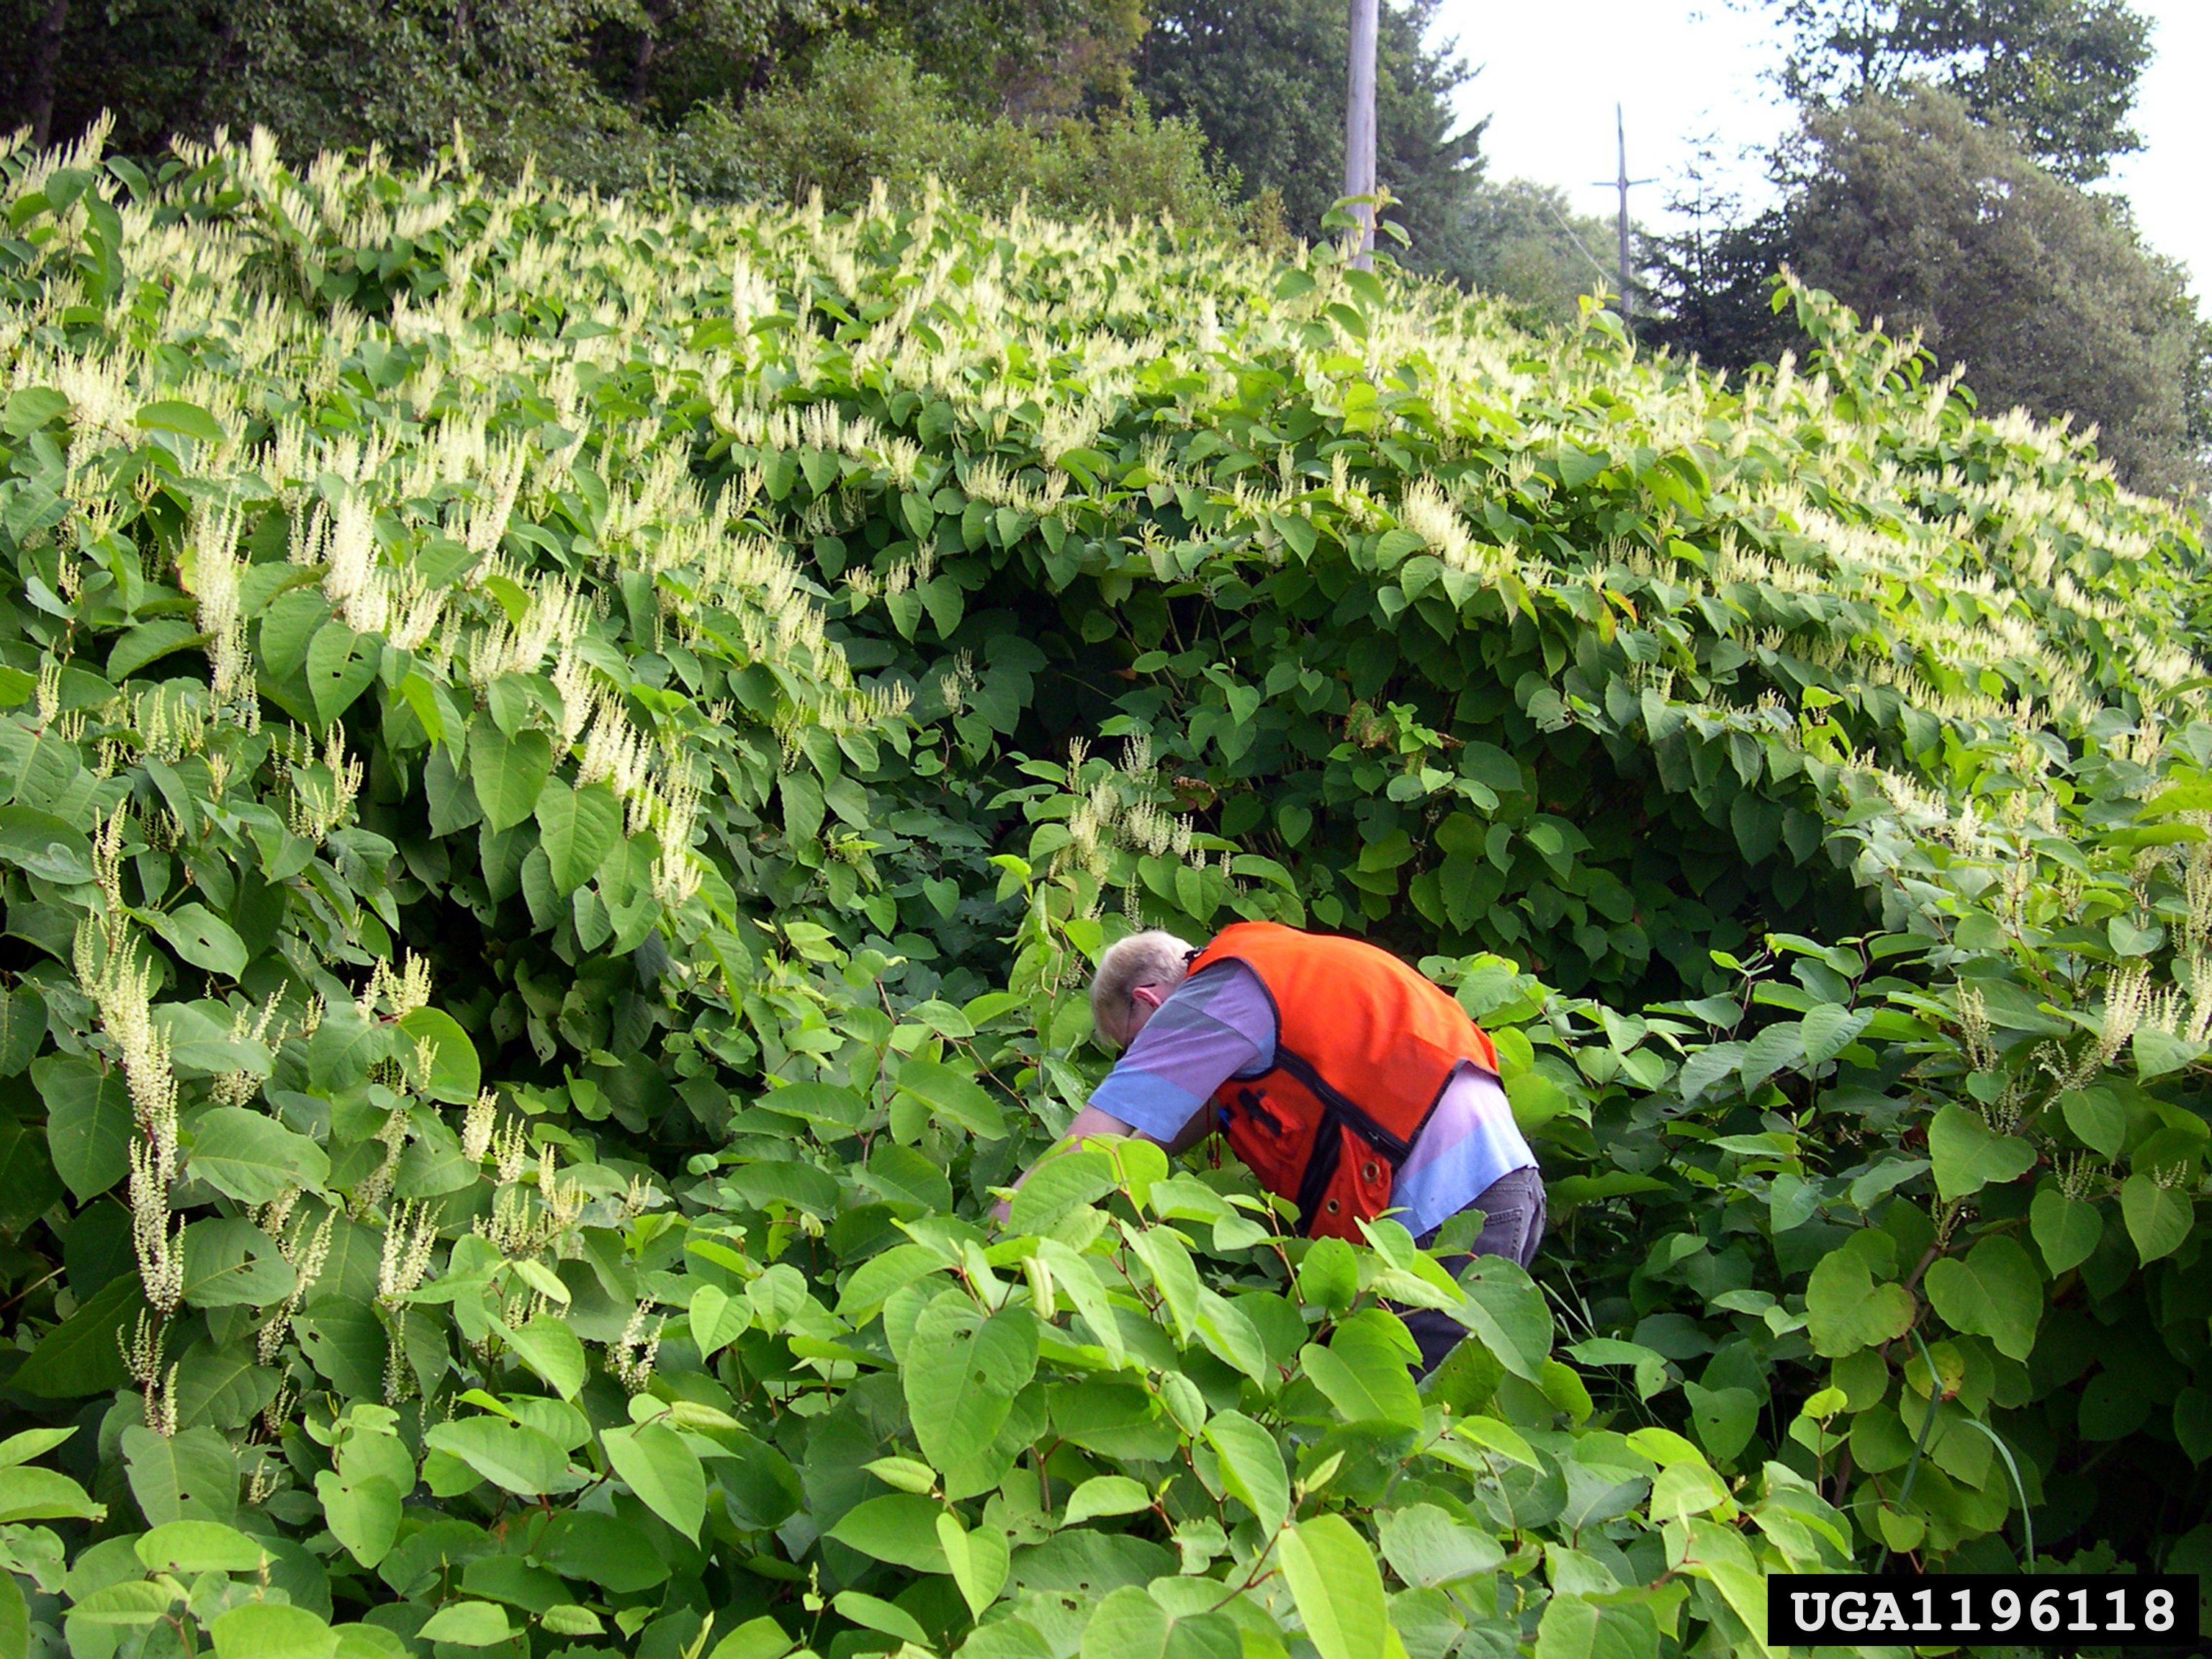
(2040, 295)
(2061, 74)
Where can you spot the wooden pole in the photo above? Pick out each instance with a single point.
(1359, 125)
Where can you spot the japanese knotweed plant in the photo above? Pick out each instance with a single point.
(561, 761)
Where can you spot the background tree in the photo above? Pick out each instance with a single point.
(1713, 279)
(2062, 73)
(1522, 242)
(1919, 214)
(1264, 81)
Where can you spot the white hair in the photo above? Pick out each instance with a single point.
(1154, 956)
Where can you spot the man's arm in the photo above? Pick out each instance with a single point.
(1090, 1121)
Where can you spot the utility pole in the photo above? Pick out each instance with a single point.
(1359, 126)
(1623, 183)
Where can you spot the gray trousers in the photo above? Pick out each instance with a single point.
(1512, 1225)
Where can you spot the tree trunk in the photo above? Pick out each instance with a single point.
(45, 55)
(648, 42)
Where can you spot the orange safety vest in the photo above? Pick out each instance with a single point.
(1363, 1047)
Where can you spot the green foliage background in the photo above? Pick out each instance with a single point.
(563, 759)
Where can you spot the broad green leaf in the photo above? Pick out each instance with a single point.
(1993, 1291)
(1968, 1154)
(23, 1028)
(36, 1494)
(2192, 1422)
(1425, 1547)
(1723, 1419)
(1650, 1365)
(271, 1630)
(1059, 1185)
(717, 1320)
(1105, 1494)
(89, 1121)
(577, 827)
(508, 773)
(191, 1546)
(873, 1613)
(1328, 1277)
(200, 936)
(14, 1620)
(248, 1156)
(898, 1527)
(120, 1605)
(977, 1560)
(961, 1374)
(2096, 1117)
(1776, 1048)
(345, 1341)
(2158, 1217)
(174, 415)
(954, 1095)
(665, 1472)
(190, 1475)
(341, 664)
(456, 1074)
(30, 1444)
(1507, 1314)
(600, 1549)
(1574, 1628)
(2158, 1053)
(30, 407)
(467, 1625)
(1331, 1572)
(1251, 1466)
(149, 643)
(509, 1454)
(233, 1264)
(1831, 1028)
(550, 1348)
(363, 1513)
(1846, 1310)
(2066, 1230)
(81, 1355)
(756, 1638)
(1126, 1624)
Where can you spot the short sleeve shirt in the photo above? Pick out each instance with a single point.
(1220, 1024)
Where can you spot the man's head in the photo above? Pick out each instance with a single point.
(1134, 977)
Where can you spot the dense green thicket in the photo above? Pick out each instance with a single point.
(729, 97)
(564, 757)
(865, 119)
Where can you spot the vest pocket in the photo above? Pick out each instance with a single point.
(1269, 1136)
(1358, 1188)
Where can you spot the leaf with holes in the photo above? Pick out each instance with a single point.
(961, 1374)
(341, 664)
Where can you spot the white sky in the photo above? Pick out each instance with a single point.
(1686, 68)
